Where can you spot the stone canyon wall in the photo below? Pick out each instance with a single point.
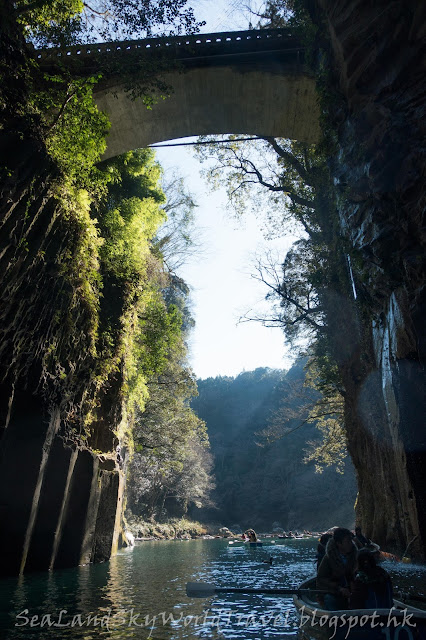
(378, 53)
(60, 492)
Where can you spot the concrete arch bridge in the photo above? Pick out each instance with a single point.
(247, 82)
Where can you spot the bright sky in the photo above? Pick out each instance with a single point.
(222, 15)
(221, 284)
(222, 289)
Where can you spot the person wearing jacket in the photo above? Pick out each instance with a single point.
(322, 543)
(337, 569)
(372, 586)
(252, 535)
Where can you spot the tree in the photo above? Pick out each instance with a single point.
(170, 468)
(296, 307)
(138, 327)
(272, 14)
(171, 461)
(308, 285)
(192, 482)
(53, 22)
(62, 96)
(263, 484)
(177, 239)
(320, 403)
(286, 180)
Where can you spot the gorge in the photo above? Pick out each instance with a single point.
(61, 486)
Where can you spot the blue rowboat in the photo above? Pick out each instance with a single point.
(401, 622)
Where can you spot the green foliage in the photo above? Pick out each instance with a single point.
(159, 335)
(147, 328)
(78, 139)
(258, 485)
(128, 230)
(176, 240)
(133, 174)
(43, 17)
(74, 129)
(68, 21)
(138, 328)
(328, 416)
(169, 529)
(332, 448)
(309, 288)
(171, 465)
(81, 268)
(130, 214)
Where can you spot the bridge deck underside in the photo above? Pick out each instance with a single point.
(270, 97)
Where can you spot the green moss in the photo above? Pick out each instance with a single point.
(169, 529)
(107, 329)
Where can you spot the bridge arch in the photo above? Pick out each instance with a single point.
(250, 82)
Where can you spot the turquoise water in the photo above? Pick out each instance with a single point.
(140, 594)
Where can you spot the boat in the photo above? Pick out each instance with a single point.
(390, 557)
(401, 622)
(248, 543)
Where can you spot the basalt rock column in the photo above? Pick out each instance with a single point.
(60, 505)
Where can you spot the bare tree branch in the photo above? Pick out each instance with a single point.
(291, 159)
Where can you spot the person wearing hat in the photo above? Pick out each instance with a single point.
(374, 549)
(372, 586)
(360, 539)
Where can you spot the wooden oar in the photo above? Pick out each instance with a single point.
(206, 589)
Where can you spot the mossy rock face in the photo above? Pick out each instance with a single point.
(174, 529)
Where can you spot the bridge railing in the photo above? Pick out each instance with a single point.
(249, 40)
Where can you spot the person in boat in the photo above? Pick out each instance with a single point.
(322, 543)
(360, 539)
(337, 569)
(374, 549)
(372, 586)
(252, 535)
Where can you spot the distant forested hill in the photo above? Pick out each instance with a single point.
(259, 485)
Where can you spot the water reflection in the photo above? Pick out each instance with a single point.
(409, 578)
(140, 594)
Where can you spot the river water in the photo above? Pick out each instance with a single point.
(140, 594)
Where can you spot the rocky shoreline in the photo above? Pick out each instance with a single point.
(172, 529)
(182, 529)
